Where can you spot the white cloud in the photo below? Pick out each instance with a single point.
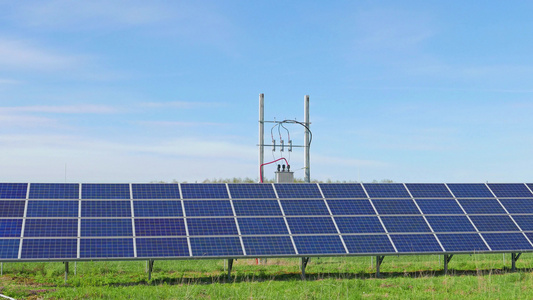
(25, 121)
(61, 109)
(181, 104)
(179, 124)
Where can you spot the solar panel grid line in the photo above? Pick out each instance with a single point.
(133, 221)
(510, 216)
(379, 218)
(185, 221)
(423, 216)
(285, 219)
(79, 223)
(236, 220)
(471, 222)
(332, 218)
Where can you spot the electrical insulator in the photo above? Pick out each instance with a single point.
(273, 145)
(290, 145)
(282, 146)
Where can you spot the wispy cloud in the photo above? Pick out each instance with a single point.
(23, 121)
(23, 55)
(61, 109)
(179, 124)
(181, 104)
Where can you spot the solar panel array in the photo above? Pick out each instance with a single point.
(44, 221)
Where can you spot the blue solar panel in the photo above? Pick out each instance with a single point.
(359, 224)
(51, 208)
(470, 190)
(10, 228)
(482, 206)
(494, 223)
(405, 224)
(212, 226)
(450, 224)
(396, 207)
(95, 248)
(298, 191)
(254, 226)
(155, 191)
(13, 190)
(510, 190)
(49, 248)
(105, 191)
(368, 244)
(106, 227)
(518, 206)
(162, 247)
(310, 225)
(507, 241)
(322, 244)
(439, 206)
(204, 191)
(304, 208)
(268, 245)
(386, 190)
(257, 208)
(251, 191)
(160, 208)
(159, 227)
(54, 191)
(467, 242)
(216, 246)
(51, 228)
(350, 207)
(342, 190)
(525, 222)
(207, 208)
(428, 190)
(104, 209)
(9, 249)
(12, 208)
(416, 243)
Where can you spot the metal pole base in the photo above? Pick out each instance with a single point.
(150, 268)
(379, 260)
(66, 271)
(230, 266)
(447, 258)
(514, 258)
(303, 264)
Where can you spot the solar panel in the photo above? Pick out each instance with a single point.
(439, 206)
(507, 241)
(368, 244)
(468, 242)
(109, 248)
(510, 190)
(405, 224)
(51, 228)
(207, 208)
(470, 190)
(297, 191)
(319, 244)
(256, 226)
(162, 208)
(428, 190)
(50, 208)
(159, 227)
(341, 207)
(494, 223)
(524, 221)
(396, 207)
(9, 249)
(216, 246)
(342, 190)
(268, 245)
(106, 227)
(257, 207)
(162, 247)
(54, 191)
(212, 226)
(12, 208)
(359, 225)
(311, 225)
(481, 206)
(13, 190)
(409, 243)
(450, 224)
(49, 248)
(155, 191)
(251, 191)
(386, 190)
(304, 207)
(10, 227)
(518, 206)
(102, 209)
(204, 191)
(105, 191)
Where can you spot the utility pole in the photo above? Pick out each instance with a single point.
(307, 164)
(261, 134)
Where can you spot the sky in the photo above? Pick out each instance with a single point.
(143, 91)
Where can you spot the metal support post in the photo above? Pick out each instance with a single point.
(66, 271)
(150, 269)
(447, 258)
(303, 264)
(379, 260)
(1, 269)
(230, 266)
(261, 134)
(514, 258)
(307, 164)
(75, 268)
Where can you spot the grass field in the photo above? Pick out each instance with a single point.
(476, 276)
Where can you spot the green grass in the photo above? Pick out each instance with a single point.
(421, 277)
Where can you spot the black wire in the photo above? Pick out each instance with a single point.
(305, 126)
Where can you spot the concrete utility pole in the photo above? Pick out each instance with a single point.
(261, 134)
(307, 164)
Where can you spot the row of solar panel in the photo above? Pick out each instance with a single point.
(258, 191)
(261, 246)
(10, 228)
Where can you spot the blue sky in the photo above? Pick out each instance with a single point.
(137, 91)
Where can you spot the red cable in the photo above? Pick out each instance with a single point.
(261, 166)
